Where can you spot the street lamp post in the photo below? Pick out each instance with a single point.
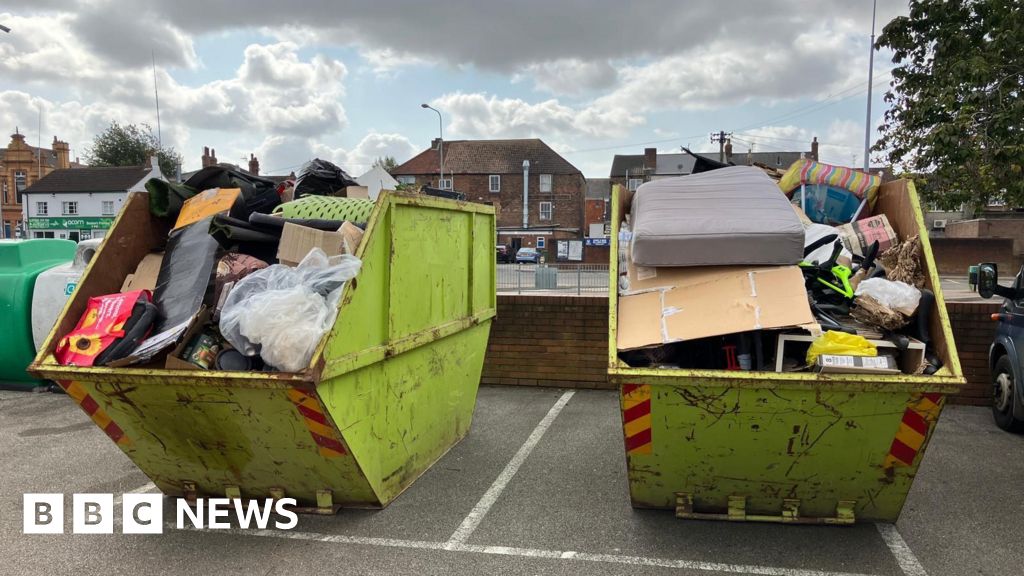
(440, 143)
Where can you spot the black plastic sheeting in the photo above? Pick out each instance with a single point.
(259, 194)
(321, 178)
(185, 274)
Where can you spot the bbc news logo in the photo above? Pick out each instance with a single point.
(144, 514)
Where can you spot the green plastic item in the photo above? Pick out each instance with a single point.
(390, 389)
(327, 208)
(21, 261)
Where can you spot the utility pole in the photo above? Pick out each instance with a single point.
(720, 137)
(871, 78)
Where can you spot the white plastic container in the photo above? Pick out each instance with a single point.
(54, 287)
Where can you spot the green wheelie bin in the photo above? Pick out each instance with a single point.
(391, 387)
(796, 447)
(21, 262)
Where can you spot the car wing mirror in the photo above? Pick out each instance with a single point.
(988, 279)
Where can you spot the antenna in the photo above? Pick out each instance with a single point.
(156, 95)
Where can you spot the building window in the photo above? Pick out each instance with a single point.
(778, 160)
(69, 208)
(108, 207)
(446, 184)
(494, 183)
(42, 209)
(540, 242)
(545, 182)
(20, 183)
(42, 234)
(634, 183)
(545, 210)
(407, 180)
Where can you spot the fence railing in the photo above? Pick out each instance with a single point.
(556, 277)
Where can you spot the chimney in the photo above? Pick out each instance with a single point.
(728, 150)
(814, 149)
(206, 157)
(651, 160)
(62, 152)
(254, 165)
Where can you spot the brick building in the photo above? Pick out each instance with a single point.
(492, 171)
(21, 165)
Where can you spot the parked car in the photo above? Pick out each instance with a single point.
(1004, 356)
(528, 255)
(504, 255)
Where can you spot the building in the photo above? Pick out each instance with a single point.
(21, 166)
(493, 172)
(375, 180)
(81, 203)
(209, 158)
(631, 170)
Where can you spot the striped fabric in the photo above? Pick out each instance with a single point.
(811, 172)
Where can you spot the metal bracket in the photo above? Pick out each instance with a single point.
(189, 492)
(233, 492)
(790, 513)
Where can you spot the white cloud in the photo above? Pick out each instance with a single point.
(283, 154)
(477, 115)
(386, 62)
(569, 76)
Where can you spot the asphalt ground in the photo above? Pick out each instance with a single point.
(538, 487)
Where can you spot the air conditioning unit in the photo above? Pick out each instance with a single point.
(939, 225)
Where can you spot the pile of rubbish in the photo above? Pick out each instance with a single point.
(243, 282)
(728, 270)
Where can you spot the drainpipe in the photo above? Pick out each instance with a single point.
(526, 194)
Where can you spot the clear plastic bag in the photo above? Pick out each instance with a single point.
(281, 312)
(893, 294)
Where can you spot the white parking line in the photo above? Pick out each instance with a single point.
(568, 555)
(476, 515)
(147, 487)
(905, 558)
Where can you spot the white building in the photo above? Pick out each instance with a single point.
(81, 203)
(375, 180)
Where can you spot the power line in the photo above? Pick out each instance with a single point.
(616, 147)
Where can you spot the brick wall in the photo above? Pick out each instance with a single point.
(973, 330)
(954, 255)
(562, 341)
(549, 341)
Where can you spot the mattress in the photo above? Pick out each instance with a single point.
(729, 216)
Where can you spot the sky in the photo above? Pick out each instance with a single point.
(344, 80)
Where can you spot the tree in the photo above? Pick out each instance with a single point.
(387, 162)
(956, 115)
(131, 145)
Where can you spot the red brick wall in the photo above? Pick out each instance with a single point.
(973, 330)
(563, 341)
(954, 255)
(549, 341)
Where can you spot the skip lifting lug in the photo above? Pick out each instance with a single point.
(790, 514)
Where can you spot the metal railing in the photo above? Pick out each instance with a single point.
(557, 277)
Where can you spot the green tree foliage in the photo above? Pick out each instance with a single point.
(387, 162)
(956, 115)
(131, 145)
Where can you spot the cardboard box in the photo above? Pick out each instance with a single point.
(297, 241)
(144, 277)
(910, 360)
(859, 235)
(678, 304)
(836, 364)
(174, 360)
(207, 203)
(353, 237)
(357, 192)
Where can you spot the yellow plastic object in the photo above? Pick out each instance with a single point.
(390, 389)
(841, 344)
(799, 447)
(806, 171)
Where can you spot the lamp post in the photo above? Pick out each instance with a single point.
(440, 143)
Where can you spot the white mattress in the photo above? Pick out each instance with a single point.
(730, 216)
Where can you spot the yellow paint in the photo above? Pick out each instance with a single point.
(634, 427)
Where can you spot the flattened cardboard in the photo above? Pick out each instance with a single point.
(144, 277)
(297, 241)
(681, 304)
(207, 203)
(837, 364)
(357, 192)
(353, 237)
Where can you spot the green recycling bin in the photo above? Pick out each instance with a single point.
(21, 261)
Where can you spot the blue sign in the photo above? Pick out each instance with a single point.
(599, 241)
(69, 288)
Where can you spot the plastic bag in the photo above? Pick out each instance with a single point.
(282, 312)
(842, 344)
(321, 178)
(894, 294)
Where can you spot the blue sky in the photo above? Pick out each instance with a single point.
(344, 81)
